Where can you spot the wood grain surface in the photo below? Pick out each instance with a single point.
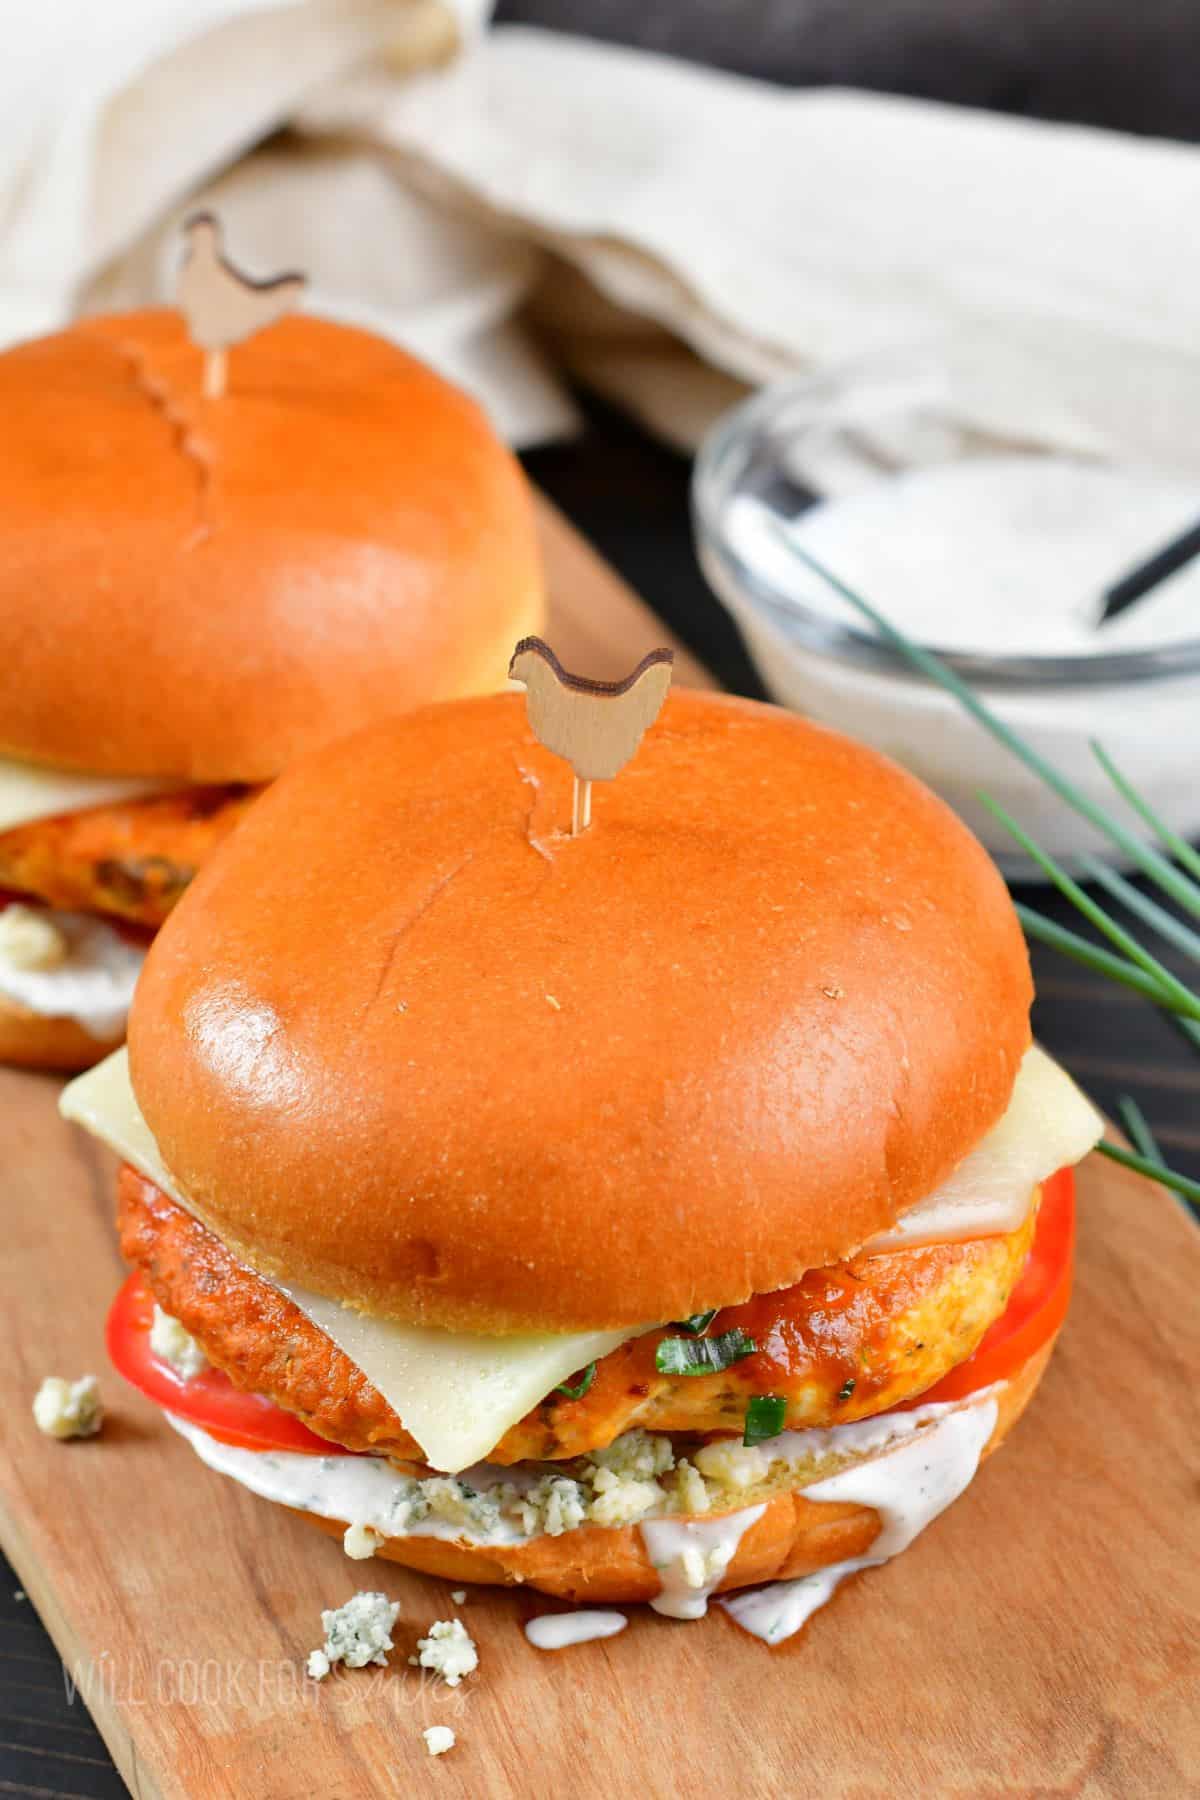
(1041, 1638)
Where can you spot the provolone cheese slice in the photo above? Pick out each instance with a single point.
(457, 1393)
(1048, 1126)
(28, 792)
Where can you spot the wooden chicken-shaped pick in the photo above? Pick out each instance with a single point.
(221, 305)
(596, 726)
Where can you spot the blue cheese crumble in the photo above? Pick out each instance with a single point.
(438, 1739)
(68, 1409)
(361, 1541)
(176, 1346)
(635, 1476)
(358, 1633)
(449, 1651)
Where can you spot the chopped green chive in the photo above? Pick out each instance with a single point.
(581, 1386)
(697, 1325)
(847, 1388)
(703, 1356)
(765, 1418)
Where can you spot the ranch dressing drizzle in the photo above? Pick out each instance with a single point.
(358, 1490)
(691, 1556)
(558, 1631)
(908, 1487)
(919, 1462)
(93, 983)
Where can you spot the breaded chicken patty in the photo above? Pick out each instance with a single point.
(131, 860)
(843, 1343)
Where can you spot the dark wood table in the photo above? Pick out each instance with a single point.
(630, 497)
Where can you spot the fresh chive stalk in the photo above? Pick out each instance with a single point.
(1173, 994)
(1136, 1129)
(1092, 956)
(1179, 847)
(1173, 930)
(1135, 968)
(1151, 863)
(1146, 1165)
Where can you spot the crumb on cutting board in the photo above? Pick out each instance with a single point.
(68, 1409)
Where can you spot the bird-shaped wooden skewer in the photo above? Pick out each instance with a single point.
(596, 726)
(221, 305)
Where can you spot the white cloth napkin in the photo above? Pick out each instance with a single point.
(673, 235)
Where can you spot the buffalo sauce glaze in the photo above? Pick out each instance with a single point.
(832, 1340)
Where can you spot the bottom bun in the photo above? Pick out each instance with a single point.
(793, 1537)
(31, 1041)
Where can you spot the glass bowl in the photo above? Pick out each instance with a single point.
(1142, 702)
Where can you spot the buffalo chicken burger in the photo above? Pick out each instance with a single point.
(192, 592)
(668, 1210)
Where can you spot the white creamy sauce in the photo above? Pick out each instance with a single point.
(559, 1631)
(908, 1487)
(357, 1490)
(909, 1466)
(93, 982)
(1008, 555)
(692, 1555)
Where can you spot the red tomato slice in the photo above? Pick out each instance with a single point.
(209, 1399)
(1036, 1308)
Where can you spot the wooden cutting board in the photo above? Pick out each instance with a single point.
(1042, 1637)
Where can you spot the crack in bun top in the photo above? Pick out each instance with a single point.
(203, 589)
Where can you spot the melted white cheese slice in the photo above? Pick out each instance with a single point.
(1049, 1125)
(458, 1393)
(28, 792)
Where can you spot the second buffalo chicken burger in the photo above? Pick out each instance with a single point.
(193, 591)
(667, 1210)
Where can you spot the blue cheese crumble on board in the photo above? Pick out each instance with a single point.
(449, 1651)
(358, 1633)
(438, 1739)
(68, 1409)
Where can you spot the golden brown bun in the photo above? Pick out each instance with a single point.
(205, 588)
(794, 1536)
(31, 1041)
(405, 1043)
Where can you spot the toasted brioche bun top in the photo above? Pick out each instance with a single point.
(405, 1042)
(203, 589)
